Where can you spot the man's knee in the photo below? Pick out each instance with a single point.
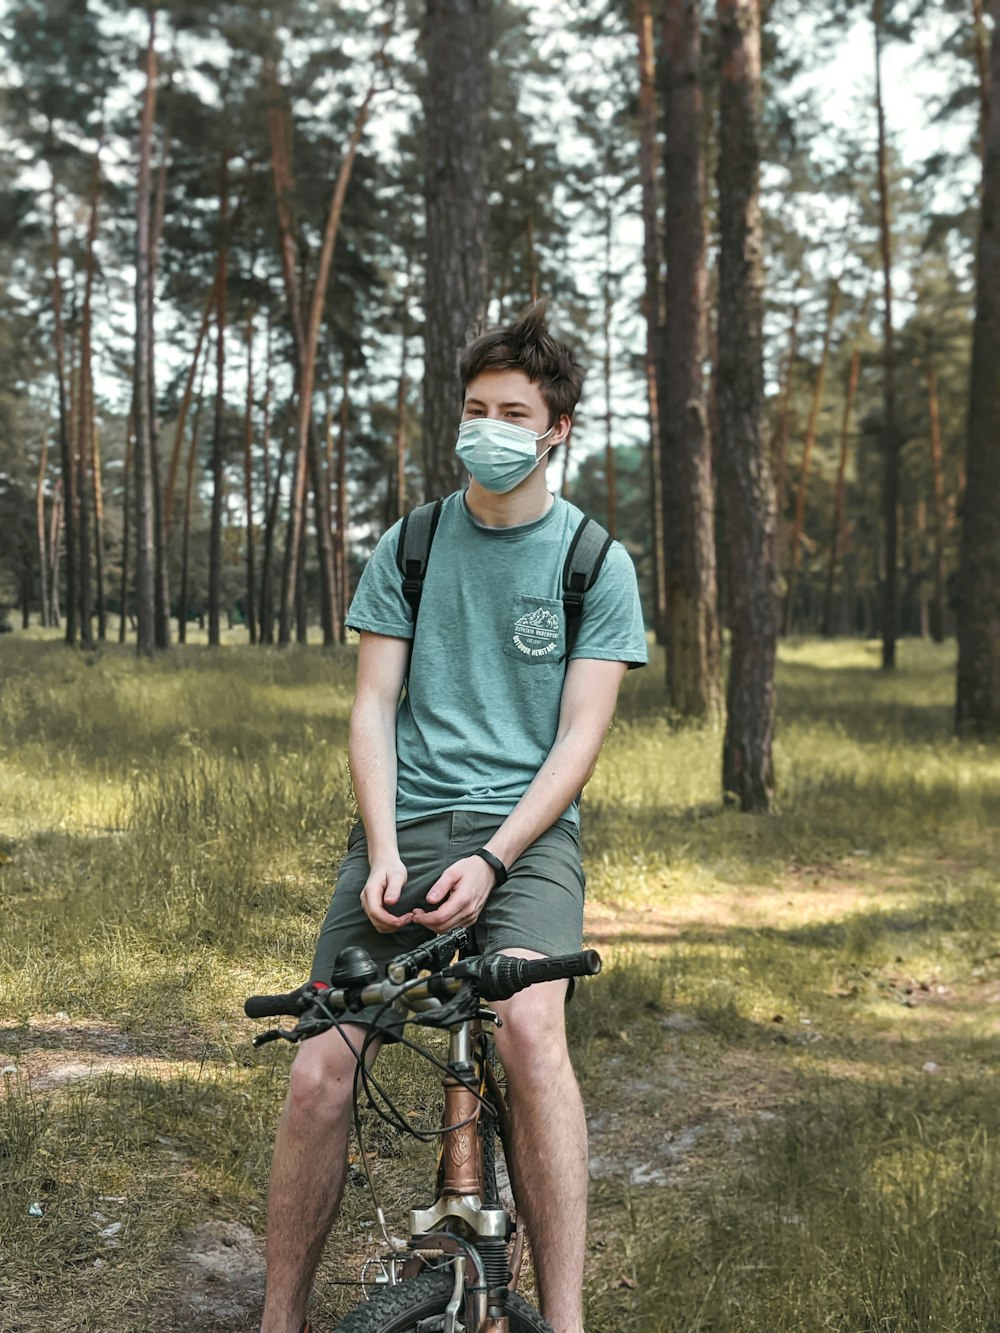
(322, 1077)
(532, 1040)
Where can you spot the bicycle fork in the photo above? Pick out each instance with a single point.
(480, 1294)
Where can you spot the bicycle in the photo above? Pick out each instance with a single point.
(458, 1271)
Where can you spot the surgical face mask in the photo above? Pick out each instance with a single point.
(497, 453)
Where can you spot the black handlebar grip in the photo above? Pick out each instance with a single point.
(293, 1003)
(503, 977)
(432, 955)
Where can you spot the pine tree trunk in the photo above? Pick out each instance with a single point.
(145, 552)
(267, 559)
(83, 497)
(55, 529)
(918, 544)
(192, 460)
(102, 610)
(746, 482)
(567, 447)
(162, 587)
(43, 554)
(272, 489)
(938, 609)
(799, 520)
(126, 512)
(265, 428)
(85, 416)
(65, 443)
(977, 706)
(890, 481)
(693, 667)
(251, 600)
(610, 480)
(325, 555)
(341, 523)
(838, 494)
(779, 447)
(457, 38)
(301, 610)
(652, 302)
(218, 476)
(399, 434)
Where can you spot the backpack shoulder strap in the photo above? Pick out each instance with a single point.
(413, 548)
(581, 567)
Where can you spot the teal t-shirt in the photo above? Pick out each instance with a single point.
(481, 706)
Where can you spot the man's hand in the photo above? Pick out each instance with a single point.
(457, 898)
(383, 886)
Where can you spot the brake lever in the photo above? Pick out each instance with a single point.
(273, 1034)
(300, 1032)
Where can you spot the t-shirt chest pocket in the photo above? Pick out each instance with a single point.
(536, 631)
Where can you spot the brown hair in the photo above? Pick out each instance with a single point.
(528, 346)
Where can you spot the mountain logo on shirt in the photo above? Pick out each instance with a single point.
(536, 634)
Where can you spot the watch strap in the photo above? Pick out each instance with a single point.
(495, 864)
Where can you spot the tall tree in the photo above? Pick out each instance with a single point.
(890, 478)
(43, 555)
(251, 602)
(85, 441)
(652, 301)
(218, 472)
(977, 706)
(693, 667)
(457, 41)
(123, 601)
(65, 430)
(145, 571)
(161, 600)
(853, 375)
(745, 474)
(937, 619)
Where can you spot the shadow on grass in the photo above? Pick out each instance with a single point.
(867, 706)
(818, 816)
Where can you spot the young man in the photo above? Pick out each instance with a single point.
(473, 773)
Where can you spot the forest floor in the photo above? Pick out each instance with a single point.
(789, 1063)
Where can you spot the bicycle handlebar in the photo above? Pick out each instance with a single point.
(496, 977)
(293, 1002)
(502, 976)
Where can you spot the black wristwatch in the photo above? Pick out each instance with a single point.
(495, 864)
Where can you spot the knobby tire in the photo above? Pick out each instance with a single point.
(401, 1308)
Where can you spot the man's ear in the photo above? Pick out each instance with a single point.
(564, 424)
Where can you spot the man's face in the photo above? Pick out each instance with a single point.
(508, 395)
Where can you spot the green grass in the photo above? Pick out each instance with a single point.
(776, 989)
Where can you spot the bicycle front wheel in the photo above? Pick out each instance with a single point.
(411, 1304)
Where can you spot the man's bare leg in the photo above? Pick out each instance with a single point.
(549, 1142)
(307, 1174)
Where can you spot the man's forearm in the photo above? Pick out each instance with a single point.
(565, 772)
(372, 757)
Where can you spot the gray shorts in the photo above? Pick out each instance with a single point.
(539, 908)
